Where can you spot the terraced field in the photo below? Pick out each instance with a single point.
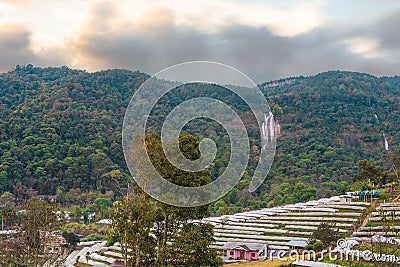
(277, 226)
(385, 222)
(274, 227)
(94, 254)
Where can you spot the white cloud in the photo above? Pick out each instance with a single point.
(50, 22)
(367, 47)
(213, 15)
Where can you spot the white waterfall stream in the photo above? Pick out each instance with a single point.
(386, 142)
(384, 136)
(268, 129)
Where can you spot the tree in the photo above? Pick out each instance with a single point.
(76, 213)
(394, 163)
(6, 205)
(19, 192)
(3, 177)
(71, 238)
(35, 227)
(326, 233)
(102, 205)
(323, 192)
(132, 218)
(315, 246)
(368, 170)
(60, 194)
(192, 246)
(73, 196)
(157, 233)
(170, 219)
(115, 180)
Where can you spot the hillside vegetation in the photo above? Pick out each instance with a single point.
(61, 128)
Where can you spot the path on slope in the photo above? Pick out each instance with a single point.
(366, 220)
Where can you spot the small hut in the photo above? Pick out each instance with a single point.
(245, 251)
(346, 199)
(297, 245)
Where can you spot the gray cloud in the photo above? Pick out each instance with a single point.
(14, 47)
(255, 51)
(147, 45)
(15, 50)
(266, 56)
(389, 33)
(157, 41)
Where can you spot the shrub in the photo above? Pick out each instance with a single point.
(319, 246)
(93, 237)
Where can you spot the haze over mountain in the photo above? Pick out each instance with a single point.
(62, 127)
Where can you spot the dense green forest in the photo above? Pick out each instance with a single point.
(61, 129)
(329, 122)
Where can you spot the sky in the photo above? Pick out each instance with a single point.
(265, 39)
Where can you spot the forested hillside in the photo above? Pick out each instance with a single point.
(61, 128)
(329, 122)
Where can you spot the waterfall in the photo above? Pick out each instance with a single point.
(386, 142)
(268, 129)
(384, 136)
(271, 126)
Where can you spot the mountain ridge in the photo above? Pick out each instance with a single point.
(61, 127)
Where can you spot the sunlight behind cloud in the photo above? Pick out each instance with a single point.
(268, 38)
(174, 31)
(51, 22)
(368, 48)
(212, 16)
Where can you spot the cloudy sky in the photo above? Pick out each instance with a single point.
(266, 39)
